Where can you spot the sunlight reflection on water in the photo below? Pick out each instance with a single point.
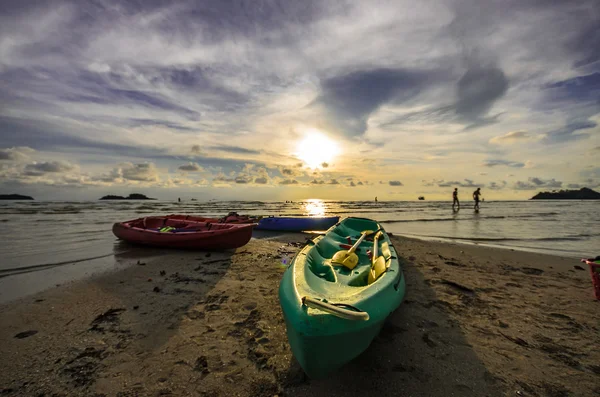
(314, 207)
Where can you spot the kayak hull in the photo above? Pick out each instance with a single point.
(323, 342)
(186, 234)
(296, 224)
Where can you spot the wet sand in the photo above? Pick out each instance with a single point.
(476, 322)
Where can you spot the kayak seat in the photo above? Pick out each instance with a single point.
(319, 267)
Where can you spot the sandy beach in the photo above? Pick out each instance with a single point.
(476, 321)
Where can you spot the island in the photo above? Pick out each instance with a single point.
(132, 196)
(581, 194)
(15, 197)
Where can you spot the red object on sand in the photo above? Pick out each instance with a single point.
(594, 265)
(177, 233)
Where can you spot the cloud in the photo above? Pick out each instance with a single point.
(288, 182)
(317, 182)
(533, 183)
(334, 182)
(477, 91)
(350, 99)
(261, 181)
(513, 137)
(507, 163)
(324, 165)
(21, 153)
(39, 169)
(497, 185)
(234, 149)
(443, 183)
(191, 167)
(144, 172)
(395, 183)
(243, 179)
(287, 171)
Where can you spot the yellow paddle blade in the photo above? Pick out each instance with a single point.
(351, 261)
(377, 269)
(339, 257)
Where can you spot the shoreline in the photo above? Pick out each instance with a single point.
(35, 281)
(483, 243)
(475, 321)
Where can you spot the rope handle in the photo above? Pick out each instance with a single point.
(336, 310)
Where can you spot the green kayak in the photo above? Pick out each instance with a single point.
(333, 312)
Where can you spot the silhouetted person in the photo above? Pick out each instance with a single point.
(179, 199)
(476, 195)
(375, 198)
(455, 201)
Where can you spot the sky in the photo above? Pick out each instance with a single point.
(290, 100)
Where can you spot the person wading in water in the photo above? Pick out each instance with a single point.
(455, 201)
(476, 195)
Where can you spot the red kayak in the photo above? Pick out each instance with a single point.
(164, 231)
(232, 217)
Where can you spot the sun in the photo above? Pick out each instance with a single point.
(316, 149)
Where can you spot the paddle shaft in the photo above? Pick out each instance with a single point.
(355, 246)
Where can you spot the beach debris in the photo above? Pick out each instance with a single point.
(156, 289)
(201, 365)
(452, 263)
(162, 273)
(458, 286)
(532, 270)
(578, 267)
(39, 300)
(141, 263)
(25, 334)
(108, 317)
(207, 255)
(412, 258)
(150, 279)
(428, 340)
(83, 367)
(502, 324)
(516, 339)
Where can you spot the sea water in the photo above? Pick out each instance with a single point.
(68, 239)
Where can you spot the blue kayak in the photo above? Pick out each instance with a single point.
(296, 224)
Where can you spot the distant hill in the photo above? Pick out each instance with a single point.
(14, 197)
(132, 196)
(581, 194)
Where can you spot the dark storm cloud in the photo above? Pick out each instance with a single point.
(477, 90)
(351, 98)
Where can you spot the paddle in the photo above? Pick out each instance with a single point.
(349, 258)
(378, 264)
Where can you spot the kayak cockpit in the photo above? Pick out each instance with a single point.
(174, 225)
(318, 260)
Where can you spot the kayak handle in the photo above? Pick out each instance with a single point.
(335, 310)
